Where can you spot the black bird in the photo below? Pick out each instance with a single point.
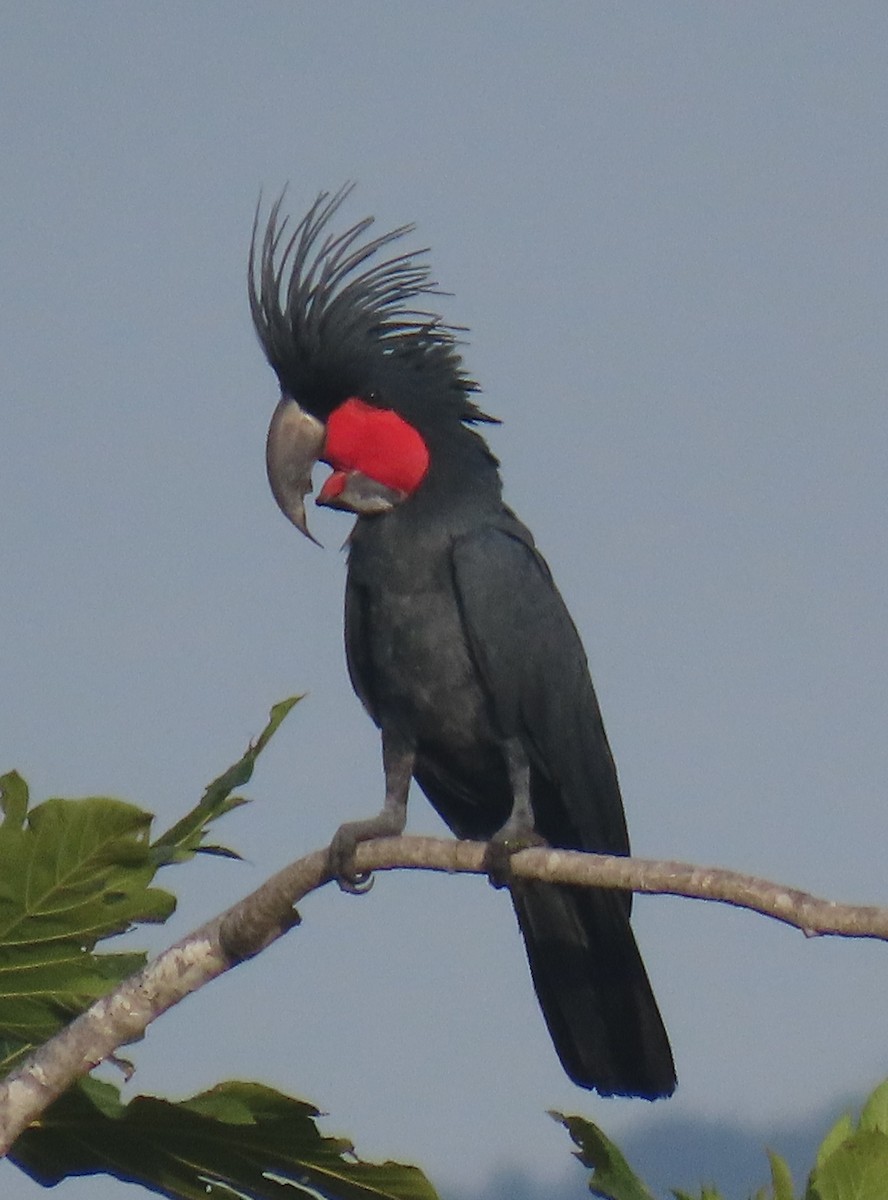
(458, 642)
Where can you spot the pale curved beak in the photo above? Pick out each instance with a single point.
(295, 439)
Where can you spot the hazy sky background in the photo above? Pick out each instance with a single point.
(665, 226)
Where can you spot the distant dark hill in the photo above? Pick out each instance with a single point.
(688, 1154)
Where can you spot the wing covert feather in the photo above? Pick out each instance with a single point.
(530, 657)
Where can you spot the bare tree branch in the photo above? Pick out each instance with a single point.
(266, 914)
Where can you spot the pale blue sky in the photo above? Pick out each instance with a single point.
(665, 226)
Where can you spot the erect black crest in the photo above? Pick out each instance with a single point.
(332, 321)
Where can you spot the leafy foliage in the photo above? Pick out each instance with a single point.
(612, 1177)
(851, 1163)
(76, 872)
(186, 837)
(237, 1140)
(72, 872)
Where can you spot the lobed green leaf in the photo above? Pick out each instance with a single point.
(76, 872)
(239, 1139)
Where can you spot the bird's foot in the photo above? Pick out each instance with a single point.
(347, 838)
(510, 839)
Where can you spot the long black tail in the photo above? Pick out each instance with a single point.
(593, 989)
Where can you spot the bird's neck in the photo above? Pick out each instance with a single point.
(461, 491)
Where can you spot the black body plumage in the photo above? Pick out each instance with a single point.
(458, 642)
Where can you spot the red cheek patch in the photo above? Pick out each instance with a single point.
(376, 442)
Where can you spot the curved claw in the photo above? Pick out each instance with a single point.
(341, 861)
(345, 841)
(356, 885)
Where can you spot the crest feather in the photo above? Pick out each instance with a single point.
(324, 310)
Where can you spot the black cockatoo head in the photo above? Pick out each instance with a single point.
(368, 379)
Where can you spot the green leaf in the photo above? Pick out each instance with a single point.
(13, 799)
(75, 872)
(781, 1177)
(837, 1136)
(852, 1161)
(104, 1096)
(239, 1139)
(857, 1170)
(185, 838)
(874, 1114)
(612, 1177)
